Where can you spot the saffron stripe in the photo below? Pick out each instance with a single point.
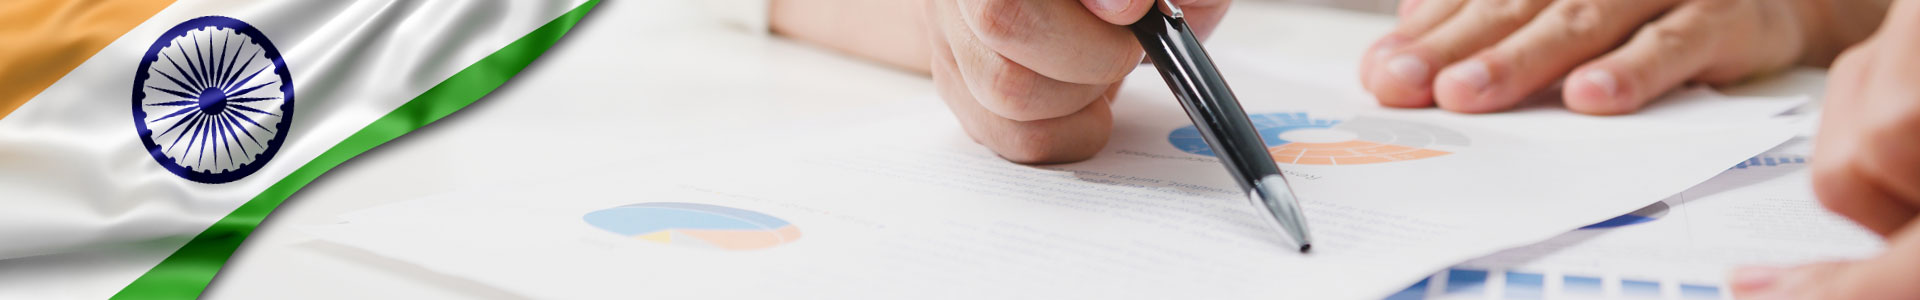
(46, 39)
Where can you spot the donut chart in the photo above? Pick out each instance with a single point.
(695, 225)
(1301, 138)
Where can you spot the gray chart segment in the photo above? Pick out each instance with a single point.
(1402, 133)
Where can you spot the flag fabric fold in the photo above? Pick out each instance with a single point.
(165, 140)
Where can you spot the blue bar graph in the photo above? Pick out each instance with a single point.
(1636, 288)
(1702, 292)
(1461, 281)
(1770, 161)
(1526, 286)
(1581, 285)
(1474, 283)
(1416, 292)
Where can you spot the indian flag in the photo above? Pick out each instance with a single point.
(141, 141)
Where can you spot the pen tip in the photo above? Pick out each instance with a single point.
(1305, 247)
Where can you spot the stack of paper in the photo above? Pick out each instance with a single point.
(908, 207)
(1761, 211)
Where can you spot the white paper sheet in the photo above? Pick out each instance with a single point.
(908, 207)
(1762, 211)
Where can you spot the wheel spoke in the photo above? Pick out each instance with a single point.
(175, 103)
(176, 81)
(185, 132)
(196, 60)
(249, 99)
(224, 62)
(244, 117)
(176, 93)
(243, 68)
(174, 114)
(197, 84)
(230, 115)
(224, 133)
(243, 81)
(245, 108)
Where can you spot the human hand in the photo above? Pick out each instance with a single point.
(1032, 79)
(1865, 167)
(1479, 56)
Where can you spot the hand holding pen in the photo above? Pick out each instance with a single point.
(1032, 80)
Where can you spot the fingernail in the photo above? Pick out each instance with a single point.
(1408, 68)
(1471, 73)
(1608, 85)
(1756, 279)
(1111, 6)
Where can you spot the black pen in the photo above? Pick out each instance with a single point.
(1175, 51)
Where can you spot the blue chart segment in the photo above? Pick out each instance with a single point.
(1301, 138)
(1639, 288)
(1771, 161)
(1416, 292)
(1642, 215)
(1526, 286)
(212, 100)
(1695, 291)
(695, 225)
(1471, 283)
(1465, 281)
(1581, 285)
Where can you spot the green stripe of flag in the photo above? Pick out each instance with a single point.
(187, 272)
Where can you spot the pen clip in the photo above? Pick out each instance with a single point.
(1167, 7)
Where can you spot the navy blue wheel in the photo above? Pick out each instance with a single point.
(212, 100)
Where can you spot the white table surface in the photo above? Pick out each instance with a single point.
(631, 81)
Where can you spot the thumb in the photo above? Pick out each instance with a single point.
(1118, 12)
(1780, 283)
(1889, 275)
(1203, 15)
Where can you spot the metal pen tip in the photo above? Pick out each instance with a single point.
(1274, 195)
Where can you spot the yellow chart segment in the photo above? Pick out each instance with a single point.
(695, 225)
(1347, 153)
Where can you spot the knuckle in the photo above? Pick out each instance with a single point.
(1718, 5)
(1670, 38)
(1010, 93)
(1581, 17)
(999, 20)
(1117, 70)
(1723, 76)
(1510, 12)
(1043, 144)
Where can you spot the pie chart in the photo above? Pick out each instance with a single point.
(695, 225)
(1300, 138)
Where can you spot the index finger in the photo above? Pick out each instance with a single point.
(1203, 13)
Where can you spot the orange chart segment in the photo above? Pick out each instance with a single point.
(1300, 138)
(1349, 153)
